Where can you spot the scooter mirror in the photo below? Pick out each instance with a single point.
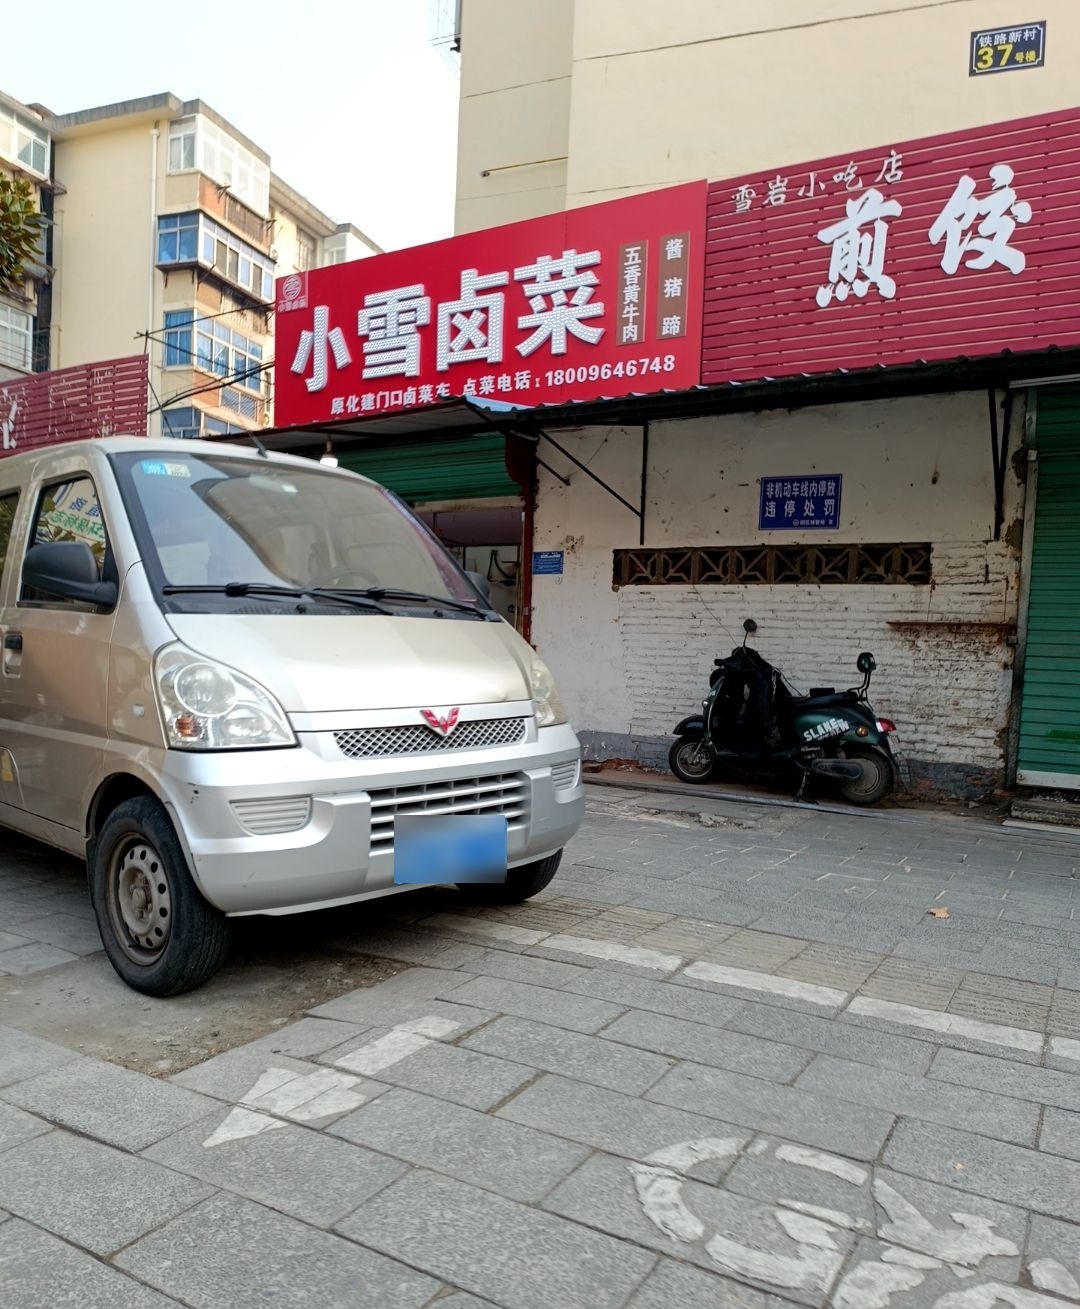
(866, 663)
(749, 627)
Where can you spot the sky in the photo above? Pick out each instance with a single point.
(355, 108)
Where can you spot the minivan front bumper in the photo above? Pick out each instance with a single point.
(282, 831)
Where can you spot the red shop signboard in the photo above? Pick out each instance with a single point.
(594, 302)
(958, 245)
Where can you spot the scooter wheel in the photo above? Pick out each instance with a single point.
(690, 759)
(876, 781)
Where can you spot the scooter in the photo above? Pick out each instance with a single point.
(754, 723)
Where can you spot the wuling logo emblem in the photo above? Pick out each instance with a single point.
(443, 724)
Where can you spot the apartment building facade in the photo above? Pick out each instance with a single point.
(167, 237)
(25, 155)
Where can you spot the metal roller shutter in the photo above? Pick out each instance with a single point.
(452, 468)
(1049, 749)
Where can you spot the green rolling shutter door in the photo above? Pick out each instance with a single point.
(1049, 753)
(454, 468)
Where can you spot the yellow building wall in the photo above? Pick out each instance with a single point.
(660, 93)
(106, 286)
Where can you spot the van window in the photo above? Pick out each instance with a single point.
(206, 521)
(8, 504)
(69, 511)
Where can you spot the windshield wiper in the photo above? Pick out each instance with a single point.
(415, 597)
(236, 590)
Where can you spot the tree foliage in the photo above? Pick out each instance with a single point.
(20, 231)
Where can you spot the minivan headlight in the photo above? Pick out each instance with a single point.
(208, 706)
(546, 703)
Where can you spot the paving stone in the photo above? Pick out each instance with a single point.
(447, 1072)
(696, 1006)
(37, 1271)
(827, 1036)
(708, 1045)
(1025, 1048)
(306, 1174)
(558, 1008)
(23, 1056)
(797, 1115)
(1007, 988)
(77, 935)
(8, 940)
(462, 1300)
(1058, 1243)
(233, 1254)
(463, 1235)
(673, 1285)
(125, 1109)
(921, 1098)
(906, 982)
(831, 965)
(527, 968)
(764, 951)
(16, 1127)
(608, 1120)
(91, 1194)
(993, 1009)
(504, 1156)
(1061, 1133)
(307, 1036)
(975, 1164)
(588, 1058)
(1043, 1085)
(33, 958)
(687, 937)
(721, 1231)
(380, 1000)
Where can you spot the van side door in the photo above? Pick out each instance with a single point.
(56, 662)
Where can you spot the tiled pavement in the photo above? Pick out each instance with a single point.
(724, 1060)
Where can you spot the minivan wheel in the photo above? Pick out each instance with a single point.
(161, 936)
(521, 883)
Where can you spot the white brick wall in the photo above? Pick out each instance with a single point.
(946, 686)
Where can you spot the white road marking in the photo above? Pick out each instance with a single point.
(987, 1294)
(487, 927)
(304, 1097)
(833, 1216)
(972, 1241)
(439, 1029)
(1015, 1038)
(894, 1255)
(1049, 1275)
(615, 952)
(747, 980)
(824, 1163)
(383, 1053)
(1064, 1048)
(872, 1285)
(814, 1268)
(239, 1123)
(659, 1187)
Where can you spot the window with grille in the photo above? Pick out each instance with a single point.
(770, 565)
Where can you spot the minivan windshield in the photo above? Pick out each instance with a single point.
(217, 531)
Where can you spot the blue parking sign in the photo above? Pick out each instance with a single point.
(808, 502)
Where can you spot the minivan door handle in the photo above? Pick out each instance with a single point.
(13, 642)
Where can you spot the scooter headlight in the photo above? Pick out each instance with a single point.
(209, 706)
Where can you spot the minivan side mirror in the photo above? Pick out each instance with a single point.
(480, 581)
(69, 571)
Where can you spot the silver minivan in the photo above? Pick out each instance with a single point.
(225, 675)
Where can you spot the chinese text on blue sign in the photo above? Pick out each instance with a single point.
(1004, 49)
(811, 500)
(547, 561)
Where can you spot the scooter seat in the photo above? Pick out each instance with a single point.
(822, 690)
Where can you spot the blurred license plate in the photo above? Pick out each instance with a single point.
(458, 848)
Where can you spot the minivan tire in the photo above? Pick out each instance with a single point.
(159, 933)
(521, 883)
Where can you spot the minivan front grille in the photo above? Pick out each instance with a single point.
(502, 793)
(416, 738)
